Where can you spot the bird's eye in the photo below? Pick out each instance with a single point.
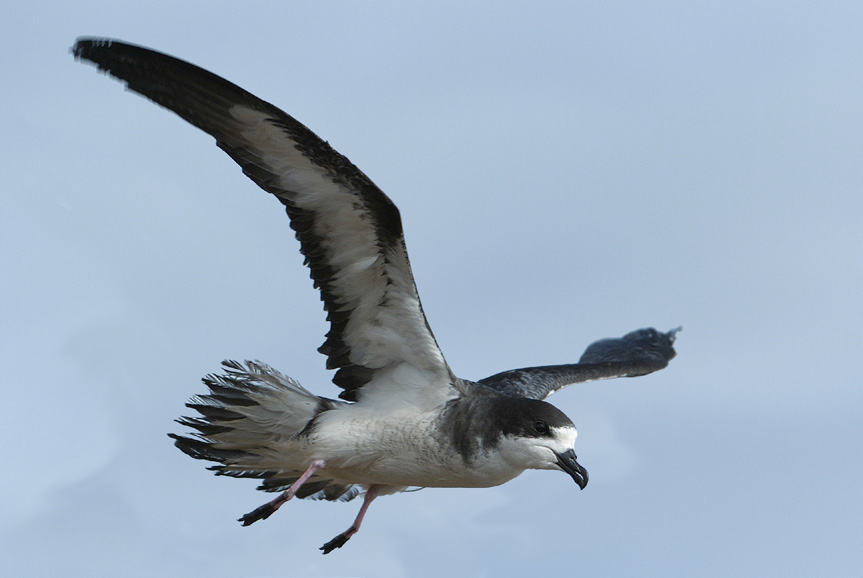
(540, 427)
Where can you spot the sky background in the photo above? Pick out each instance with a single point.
(565, 173)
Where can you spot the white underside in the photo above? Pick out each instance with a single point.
(362, 446)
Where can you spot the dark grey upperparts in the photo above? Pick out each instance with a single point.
(637, 353)
(477, 423)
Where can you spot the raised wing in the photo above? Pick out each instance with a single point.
(349, 231)
(637, 353)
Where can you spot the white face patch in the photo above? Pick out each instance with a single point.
(538, 453)
(566, 436)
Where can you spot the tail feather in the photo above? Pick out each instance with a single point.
(250, 421)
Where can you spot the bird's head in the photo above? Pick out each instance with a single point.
(536, 435)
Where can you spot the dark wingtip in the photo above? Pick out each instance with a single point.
(84, 46)
(647, 347)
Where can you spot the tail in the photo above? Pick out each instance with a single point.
(249, 421)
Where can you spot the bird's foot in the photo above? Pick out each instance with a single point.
(265, 511)
(339, 540)
(262, 512)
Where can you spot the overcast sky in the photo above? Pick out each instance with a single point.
(564, 173)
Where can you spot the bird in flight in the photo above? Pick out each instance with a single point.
(403, 420)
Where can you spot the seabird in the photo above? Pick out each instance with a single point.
(403, 420)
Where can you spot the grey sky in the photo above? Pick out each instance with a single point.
(564, 174)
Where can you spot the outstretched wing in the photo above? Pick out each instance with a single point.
(349, 231)
(637, 353)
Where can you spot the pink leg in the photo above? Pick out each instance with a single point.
(342, 538)
(264, 512)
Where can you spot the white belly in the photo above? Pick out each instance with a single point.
(399, 449)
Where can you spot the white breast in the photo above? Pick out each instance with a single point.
(401, 448)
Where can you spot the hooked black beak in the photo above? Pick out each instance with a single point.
(566, 462)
